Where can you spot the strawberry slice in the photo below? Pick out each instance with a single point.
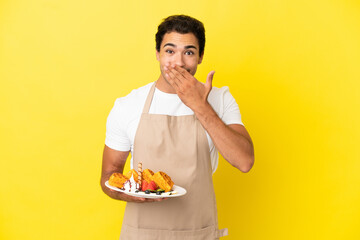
(144, 185)
(152, 186)
(148, 186)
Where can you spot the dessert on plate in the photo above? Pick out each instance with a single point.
(146, 181)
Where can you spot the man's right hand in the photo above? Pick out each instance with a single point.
(114, 161)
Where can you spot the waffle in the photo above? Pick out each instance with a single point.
(147, 175)
(117, 180)
(163, 181)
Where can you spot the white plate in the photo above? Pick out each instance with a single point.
(179, 192)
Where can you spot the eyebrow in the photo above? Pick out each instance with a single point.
(173, 45)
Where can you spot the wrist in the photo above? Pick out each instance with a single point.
(206, 115)
(202, 109)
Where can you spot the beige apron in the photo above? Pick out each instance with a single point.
(178, 146)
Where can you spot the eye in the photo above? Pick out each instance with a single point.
(169, 51)
(189, 53)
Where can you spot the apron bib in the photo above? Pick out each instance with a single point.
(178, 146)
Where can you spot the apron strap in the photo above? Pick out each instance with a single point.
(222, 232)
(149, 99)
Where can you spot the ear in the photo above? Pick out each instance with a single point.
(201, 58)
(157, 55)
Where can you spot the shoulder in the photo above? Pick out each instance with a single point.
(134, 100)
(219, 98)
(129, 107)
(217, 93)
(225, 105)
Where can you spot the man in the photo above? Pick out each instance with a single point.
(176, 125)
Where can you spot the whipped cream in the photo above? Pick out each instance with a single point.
(130, 185)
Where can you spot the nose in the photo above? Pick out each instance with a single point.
(179, 60)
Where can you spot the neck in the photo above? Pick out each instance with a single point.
(163, 85)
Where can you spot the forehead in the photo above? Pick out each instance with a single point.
(180, 40)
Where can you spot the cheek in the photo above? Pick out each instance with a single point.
(164, 60)
(192, 63)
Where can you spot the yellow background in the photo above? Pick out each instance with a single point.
(293, 67)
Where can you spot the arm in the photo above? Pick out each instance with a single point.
(114, 161)
(232, 141)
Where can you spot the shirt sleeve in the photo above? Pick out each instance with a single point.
(116, 136)
(231, 111)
